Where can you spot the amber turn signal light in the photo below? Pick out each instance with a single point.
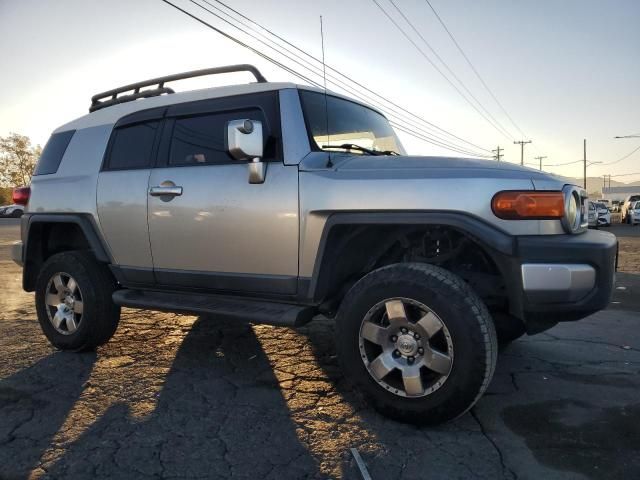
(528, 205)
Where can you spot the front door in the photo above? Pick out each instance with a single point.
(214, 230)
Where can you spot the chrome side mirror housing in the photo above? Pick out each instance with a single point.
(245, 141)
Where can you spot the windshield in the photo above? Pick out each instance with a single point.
(349, 124)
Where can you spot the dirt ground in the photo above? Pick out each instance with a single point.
(174, 396)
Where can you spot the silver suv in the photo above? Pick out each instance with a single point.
(273, 202)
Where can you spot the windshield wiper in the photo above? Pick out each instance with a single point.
(353, 146)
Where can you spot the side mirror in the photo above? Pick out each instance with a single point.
(245, 141)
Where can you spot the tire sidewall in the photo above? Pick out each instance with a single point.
(447, 300)
(67, 263)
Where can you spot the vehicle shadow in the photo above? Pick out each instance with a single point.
(34, 404)
(219, 413)
(391, 449)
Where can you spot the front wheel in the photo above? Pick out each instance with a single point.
(73, 301)
(417, 341)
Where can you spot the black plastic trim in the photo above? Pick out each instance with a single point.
(487, 235)
(223, 281)
(133, 276)
(84, 221)
(32, 251)
(594, 248)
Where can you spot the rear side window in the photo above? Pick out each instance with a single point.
(201, 139)
(132, 146)
(53, 152)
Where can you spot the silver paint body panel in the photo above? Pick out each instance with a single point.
(409, 184)
(573, 280)
(222, 223)
(122, 209)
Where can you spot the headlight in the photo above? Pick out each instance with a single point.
(574, 219)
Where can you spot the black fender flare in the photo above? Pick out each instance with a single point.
(500, 245)
(31, 251)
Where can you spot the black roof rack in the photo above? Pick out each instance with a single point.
(102, 100)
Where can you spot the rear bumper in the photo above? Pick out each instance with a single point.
(16, 253)
(561, 277)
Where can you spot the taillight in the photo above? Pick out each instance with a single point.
(528, 205)
(21, 195)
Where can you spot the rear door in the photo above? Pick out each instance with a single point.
(122, 193)
(218, 231)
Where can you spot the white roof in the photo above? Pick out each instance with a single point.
(110, 115)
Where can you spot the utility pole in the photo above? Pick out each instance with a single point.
(497, 151)
(522, 143)
(540, 158)
(584, 158)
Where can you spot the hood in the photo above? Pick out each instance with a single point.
(431, 167)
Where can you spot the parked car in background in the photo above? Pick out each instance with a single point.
(625, 206)
(604, 215)
(592, 216)
(11, 211)
(634, 213)
(615, 206)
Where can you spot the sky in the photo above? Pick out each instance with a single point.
(564, 71)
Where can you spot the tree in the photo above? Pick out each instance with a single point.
(17, 160)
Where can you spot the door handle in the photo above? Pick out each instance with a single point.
(168, 191)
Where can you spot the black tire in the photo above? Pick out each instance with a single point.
(466, 318)
(508, 329)
(100, 316)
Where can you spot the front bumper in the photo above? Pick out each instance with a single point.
(561, 277)
(16, 253)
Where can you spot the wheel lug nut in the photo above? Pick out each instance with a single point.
(411, 360)
(396, 353)
(394, 338)
(416, 336)
(404, 330)
(421, 350)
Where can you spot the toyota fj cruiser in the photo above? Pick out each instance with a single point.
(272, 202)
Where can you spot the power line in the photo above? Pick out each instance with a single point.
(401, 125)
(475, 71)
(426, 57)
(380, 97)
(562, 164)
(424, 40)
(624, 157)
(407, 129)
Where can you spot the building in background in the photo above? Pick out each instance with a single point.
(619, 193)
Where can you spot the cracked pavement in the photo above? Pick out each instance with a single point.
(174, 396)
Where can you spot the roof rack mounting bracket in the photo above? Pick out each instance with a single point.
(110, 97)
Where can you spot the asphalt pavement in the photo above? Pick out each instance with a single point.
(175, 396)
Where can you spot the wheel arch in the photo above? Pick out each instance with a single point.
(47, 234)
(341, 228)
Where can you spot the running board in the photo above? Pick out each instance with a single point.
(254, 311)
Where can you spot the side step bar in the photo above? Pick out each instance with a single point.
(254, 311)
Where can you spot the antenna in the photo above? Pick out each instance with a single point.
(326, 104)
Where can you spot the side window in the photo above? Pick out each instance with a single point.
(199, 140)
(132, 146)
(53, 152)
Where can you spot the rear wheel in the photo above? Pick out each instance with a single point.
(73, 301)
(417, 341)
